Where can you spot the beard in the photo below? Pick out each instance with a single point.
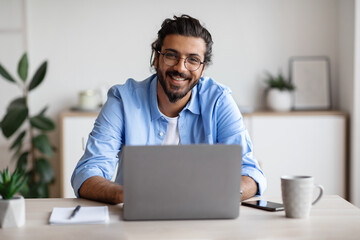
(173, 92)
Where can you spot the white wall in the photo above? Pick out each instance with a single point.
(12, 45)
(97, 43)
(345, 73)
(346, 65)
(355, 124)
(105, 42)
(349, 85)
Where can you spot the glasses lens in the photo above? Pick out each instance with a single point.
(170, 59)
(192, 63)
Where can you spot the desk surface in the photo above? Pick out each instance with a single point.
(331, 218)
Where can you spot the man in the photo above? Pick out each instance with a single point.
(177, 105)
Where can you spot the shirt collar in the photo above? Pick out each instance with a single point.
(192, 105)
(155, 112)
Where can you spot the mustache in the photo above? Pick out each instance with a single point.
(177, 74)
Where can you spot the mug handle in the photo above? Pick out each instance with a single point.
(321, 188)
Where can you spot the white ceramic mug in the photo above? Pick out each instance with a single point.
(298, 194)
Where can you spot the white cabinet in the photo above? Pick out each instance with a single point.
(301, 143)
(75, 128)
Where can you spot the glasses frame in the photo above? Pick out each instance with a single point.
(178, 60)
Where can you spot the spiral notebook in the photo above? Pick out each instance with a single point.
(86, 215)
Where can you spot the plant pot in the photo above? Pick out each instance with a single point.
(280, 101)
(12, 212)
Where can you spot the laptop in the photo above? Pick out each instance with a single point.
(181, 182)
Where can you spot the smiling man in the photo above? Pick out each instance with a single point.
(177, 105)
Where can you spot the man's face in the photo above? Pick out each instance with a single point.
(177, 81)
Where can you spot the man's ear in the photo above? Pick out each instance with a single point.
(156, 59)
(203, 69)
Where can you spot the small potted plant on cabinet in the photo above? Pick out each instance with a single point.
(12, 207)
(279, 93)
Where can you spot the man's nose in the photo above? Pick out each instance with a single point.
(180, 66)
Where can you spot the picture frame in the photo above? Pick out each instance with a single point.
(311, 77)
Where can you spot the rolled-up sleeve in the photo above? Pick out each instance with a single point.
(103, 145)
(232, 130)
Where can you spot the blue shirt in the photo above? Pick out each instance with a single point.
(131, 116)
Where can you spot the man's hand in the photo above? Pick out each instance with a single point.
(100, 189)
(249, 187)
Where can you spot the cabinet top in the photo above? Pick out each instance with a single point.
(78, 114)
(252, 114)
(296, 113)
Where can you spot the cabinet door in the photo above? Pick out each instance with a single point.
(301, 145)
(75, 133)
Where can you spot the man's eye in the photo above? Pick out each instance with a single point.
(193, 60)
(170, 55)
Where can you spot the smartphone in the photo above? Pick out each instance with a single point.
(264, 205)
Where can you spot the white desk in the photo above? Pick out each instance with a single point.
(331, 218)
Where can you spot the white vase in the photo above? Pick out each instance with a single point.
(12, 212)
(280, 101)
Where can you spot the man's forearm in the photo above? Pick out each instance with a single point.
(249, 187)
(100, 189)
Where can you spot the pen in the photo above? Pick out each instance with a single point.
(75, 211)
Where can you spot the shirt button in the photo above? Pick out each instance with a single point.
(161, 134)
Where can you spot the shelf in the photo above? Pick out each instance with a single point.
(296, 113)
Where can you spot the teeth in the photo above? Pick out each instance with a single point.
(178, 79)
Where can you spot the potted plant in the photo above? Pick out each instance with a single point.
(31, 146)
(279, 93)
(12, 208)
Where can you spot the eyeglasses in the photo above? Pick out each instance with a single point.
(192, 63)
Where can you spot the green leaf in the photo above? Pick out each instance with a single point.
(43, 190)
(17, 152)
(17, 103)
(6, 75)
(278, 82)
(6, 176)
(9, 183)
(44, 170)
(35, 190)
(22, 161)
(17, 181)
(42, 123)
(18, 140)
(23, 67)
(38, 77)
(42, 112)
(25, 189)
(13, 119)
(42, 143)
(40, 190)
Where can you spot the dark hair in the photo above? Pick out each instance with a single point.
(185, 26)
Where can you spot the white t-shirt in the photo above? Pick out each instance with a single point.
(172, 132)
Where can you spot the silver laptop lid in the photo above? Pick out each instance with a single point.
(181, 182)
